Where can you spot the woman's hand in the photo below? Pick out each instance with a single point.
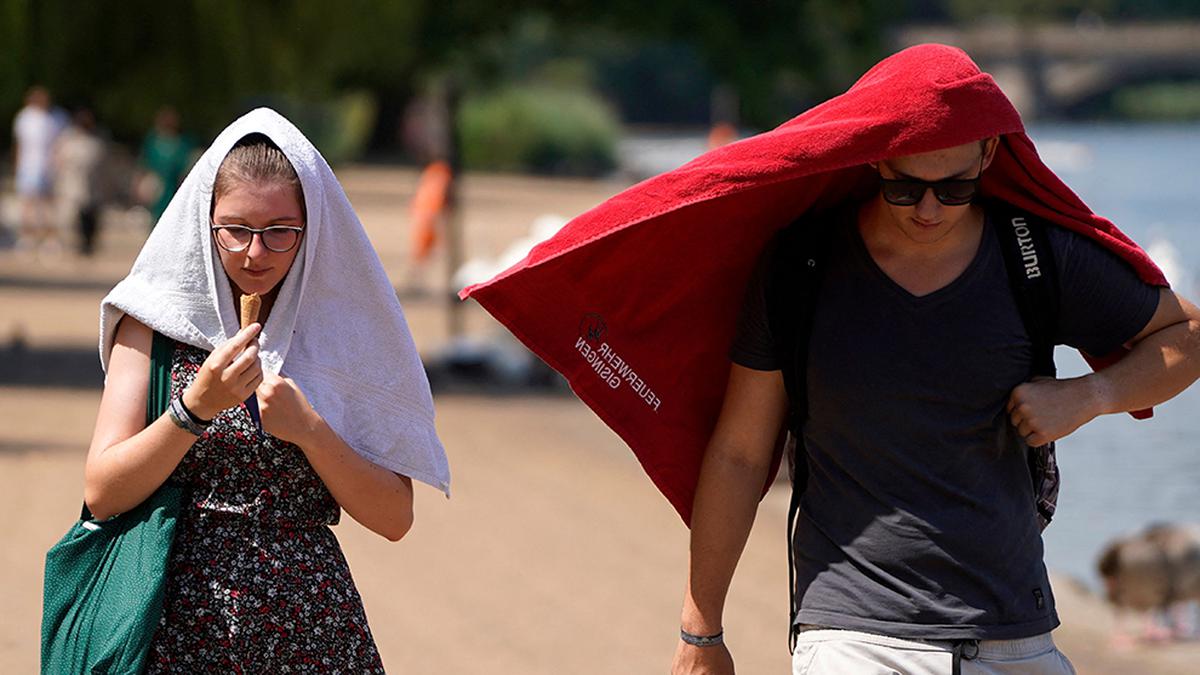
(228, 376)
(286, 413)
(374, 496)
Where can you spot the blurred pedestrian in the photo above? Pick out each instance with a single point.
(78, 158)
(35, 129)
(1156, 573)
(721, 134)
(165, 158)
(428, 208)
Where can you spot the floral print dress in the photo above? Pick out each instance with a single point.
(257, 582)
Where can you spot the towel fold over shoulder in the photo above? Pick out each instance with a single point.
(336, 328)
(635, 301)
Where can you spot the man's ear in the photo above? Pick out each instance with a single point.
(989, 150)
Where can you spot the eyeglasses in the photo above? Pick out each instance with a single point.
(237, 238)
(950, 192)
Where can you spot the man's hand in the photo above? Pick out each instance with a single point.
(692, 660)
(1045, 409)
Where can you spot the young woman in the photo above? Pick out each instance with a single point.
(274, 427)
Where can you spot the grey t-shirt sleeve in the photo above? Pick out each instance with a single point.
(1103, 302)
(753, 344)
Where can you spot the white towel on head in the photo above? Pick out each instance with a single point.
(336, 327)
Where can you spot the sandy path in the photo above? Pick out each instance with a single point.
(555, 555)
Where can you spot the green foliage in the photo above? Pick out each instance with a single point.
(1032, 11)
(340, 127)
(1159, 102)
(14, 34)
(1026, 10)
(532, 128)
(648, 80)
(210, 58)
(658, 61)
(651, 82)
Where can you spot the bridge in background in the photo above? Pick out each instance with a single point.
(1052, 70)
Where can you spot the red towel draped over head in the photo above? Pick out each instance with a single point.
(635, 302)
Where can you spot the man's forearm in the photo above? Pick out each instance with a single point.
(1158, 368)
(727, 499)
(1164, 360)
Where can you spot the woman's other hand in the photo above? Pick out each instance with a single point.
(227, 377)
(286, 413)
(374, 496)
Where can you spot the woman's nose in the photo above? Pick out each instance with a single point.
(257, 248)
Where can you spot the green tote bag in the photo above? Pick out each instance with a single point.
(105, 580)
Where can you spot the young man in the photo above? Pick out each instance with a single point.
(917, 544)
(917, 536)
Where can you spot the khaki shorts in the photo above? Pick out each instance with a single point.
(821, 651)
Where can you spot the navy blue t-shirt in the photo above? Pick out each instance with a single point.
(918, 518)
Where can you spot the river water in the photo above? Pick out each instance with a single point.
(1119, 474)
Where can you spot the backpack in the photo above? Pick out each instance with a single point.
(794, 276)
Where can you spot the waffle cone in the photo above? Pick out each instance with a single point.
(250, 305)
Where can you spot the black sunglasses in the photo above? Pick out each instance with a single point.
(950, 191)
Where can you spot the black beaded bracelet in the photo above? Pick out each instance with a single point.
(702, 640)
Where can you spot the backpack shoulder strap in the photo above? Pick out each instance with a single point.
(796, 269)
(1029, 261)
(1032, 274)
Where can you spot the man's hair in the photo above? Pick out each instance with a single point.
(255, 160)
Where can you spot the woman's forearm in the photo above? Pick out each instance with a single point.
(128, 460)
(122, 475)
(379, 499)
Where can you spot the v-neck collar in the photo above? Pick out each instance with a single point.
(860, 247)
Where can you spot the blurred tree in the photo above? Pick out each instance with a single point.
(208, 57)
(1063, 10)
(15, 69)
(1068, 10)
(560, 131)
(806, 49)
(1027, 12)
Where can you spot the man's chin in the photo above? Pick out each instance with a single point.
(926, 234)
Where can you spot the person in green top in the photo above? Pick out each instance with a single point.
(166, 155)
